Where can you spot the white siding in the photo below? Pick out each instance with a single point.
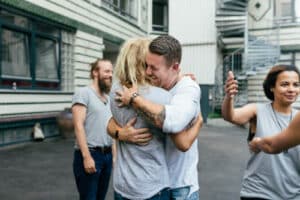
(16, 103)
(201, 61)
(87, 49)
(86, 13)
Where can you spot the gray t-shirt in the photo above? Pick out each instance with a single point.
(140, 171)
(97, 117)
(274, 177)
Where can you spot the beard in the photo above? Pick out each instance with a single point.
(105, 85)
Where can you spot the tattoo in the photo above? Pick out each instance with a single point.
(155, 119)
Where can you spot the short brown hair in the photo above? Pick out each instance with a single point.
(167, 46)
(271, 78)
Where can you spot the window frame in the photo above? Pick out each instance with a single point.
(161, 28)
(293, 18)
(110, 5)
(7, 82)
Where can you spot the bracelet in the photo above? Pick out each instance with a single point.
(135, 94)
(117, 134)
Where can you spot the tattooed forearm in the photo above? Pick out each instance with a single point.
(157, 119)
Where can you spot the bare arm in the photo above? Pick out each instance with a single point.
(79, 115)
(235, 115)
(184, 139)
(288, 138)
(152, 112)
(114, 152)
(128, 133)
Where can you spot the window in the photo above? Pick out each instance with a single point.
(126, 8)
(288, 10)
(160, 15)
(29, 53)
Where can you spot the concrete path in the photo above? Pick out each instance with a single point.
(43, 170)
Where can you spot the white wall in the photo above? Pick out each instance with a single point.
(261, 17)
(192, 22)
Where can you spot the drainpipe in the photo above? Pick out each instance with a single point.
(246, 40)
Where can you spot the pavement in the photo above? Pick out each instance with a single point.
(43, 170)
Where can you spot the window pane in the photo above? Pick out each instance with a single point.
(129, 7)
(46, 60)
(13, 19)
(15, 54)
(160, 16)
(286, 9)
(45, 28)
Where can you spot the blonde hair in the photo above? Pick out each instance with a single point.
(131, 62)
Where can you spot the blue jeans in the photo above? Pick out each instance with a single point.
(162, 195)
(180, 193)
(92, 186)
(194, 196)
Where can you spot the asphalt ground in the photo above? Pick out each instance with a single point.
(43, 170)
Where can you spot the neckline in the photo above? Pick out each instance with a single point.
(275, 113)
(103, 99)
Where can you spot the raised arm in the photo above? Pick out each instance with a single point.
(288, 138)
(235, 115)
(184, 139)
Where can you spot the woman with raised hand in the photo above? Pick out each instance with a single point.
(269, 176)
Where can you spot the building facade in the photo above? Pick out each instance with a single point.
(46, 47)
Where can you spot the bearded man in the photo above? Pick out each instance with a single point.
(92, 162)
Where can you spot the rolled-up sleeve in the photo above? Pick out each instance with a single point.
(184, 107)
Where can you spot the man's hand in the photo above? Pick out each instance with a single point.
(255, 145)
(89, 165)
(124, 96)
(192, 76)
(140, 136)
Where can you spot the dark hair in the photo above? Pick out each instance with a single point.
(94, 65)
(167, 46)
(271, 78)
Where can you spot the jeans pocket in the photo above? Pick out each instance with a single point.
(180, 193)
